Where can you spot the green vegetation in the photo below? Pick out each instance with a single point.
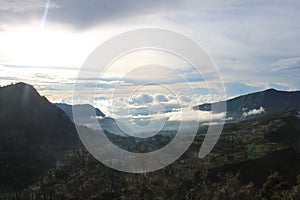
(243, 165)
(188, 178)
(41, 158)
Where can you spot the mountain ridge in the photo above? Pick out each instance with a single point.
(34, 136)
(22, 107)
(83, 108)
(256, 104)
(86, 111)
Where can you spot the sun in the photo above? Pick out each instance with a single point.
(54, 46)
(34, 46)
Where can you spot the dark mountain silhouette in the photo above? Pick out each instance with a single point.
(86, 112)
(264, 102)
(34, 135)
(22, 108)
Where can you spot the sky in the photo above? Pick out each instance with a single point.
(253, 43)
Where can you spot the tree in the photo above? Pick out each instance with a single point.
(274, 187)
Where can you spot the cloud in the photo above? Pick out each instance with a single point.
(184, 98)
(161, 98)
(254, 112)
(287, 64)
(42, 76)
(170, 101)
(185, 114)
(20, 6)
(191, 115)
(145, 105)
(82, 14)
(4, 28)
(253, 39)
(141, 99)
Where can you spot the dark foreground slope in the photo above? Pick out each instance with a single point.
(34, 135)
(260, 147)
(246, 153)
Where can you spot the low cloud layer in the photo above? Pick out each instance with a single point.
(254, 112)
(190, 115)
(147, 104)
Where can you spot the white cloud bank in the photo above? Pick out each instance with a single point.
(192, 115)
(254, 112)
(152, 104)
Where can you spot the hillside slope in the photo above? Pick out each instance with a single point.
(34, 136)
(257, 104)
